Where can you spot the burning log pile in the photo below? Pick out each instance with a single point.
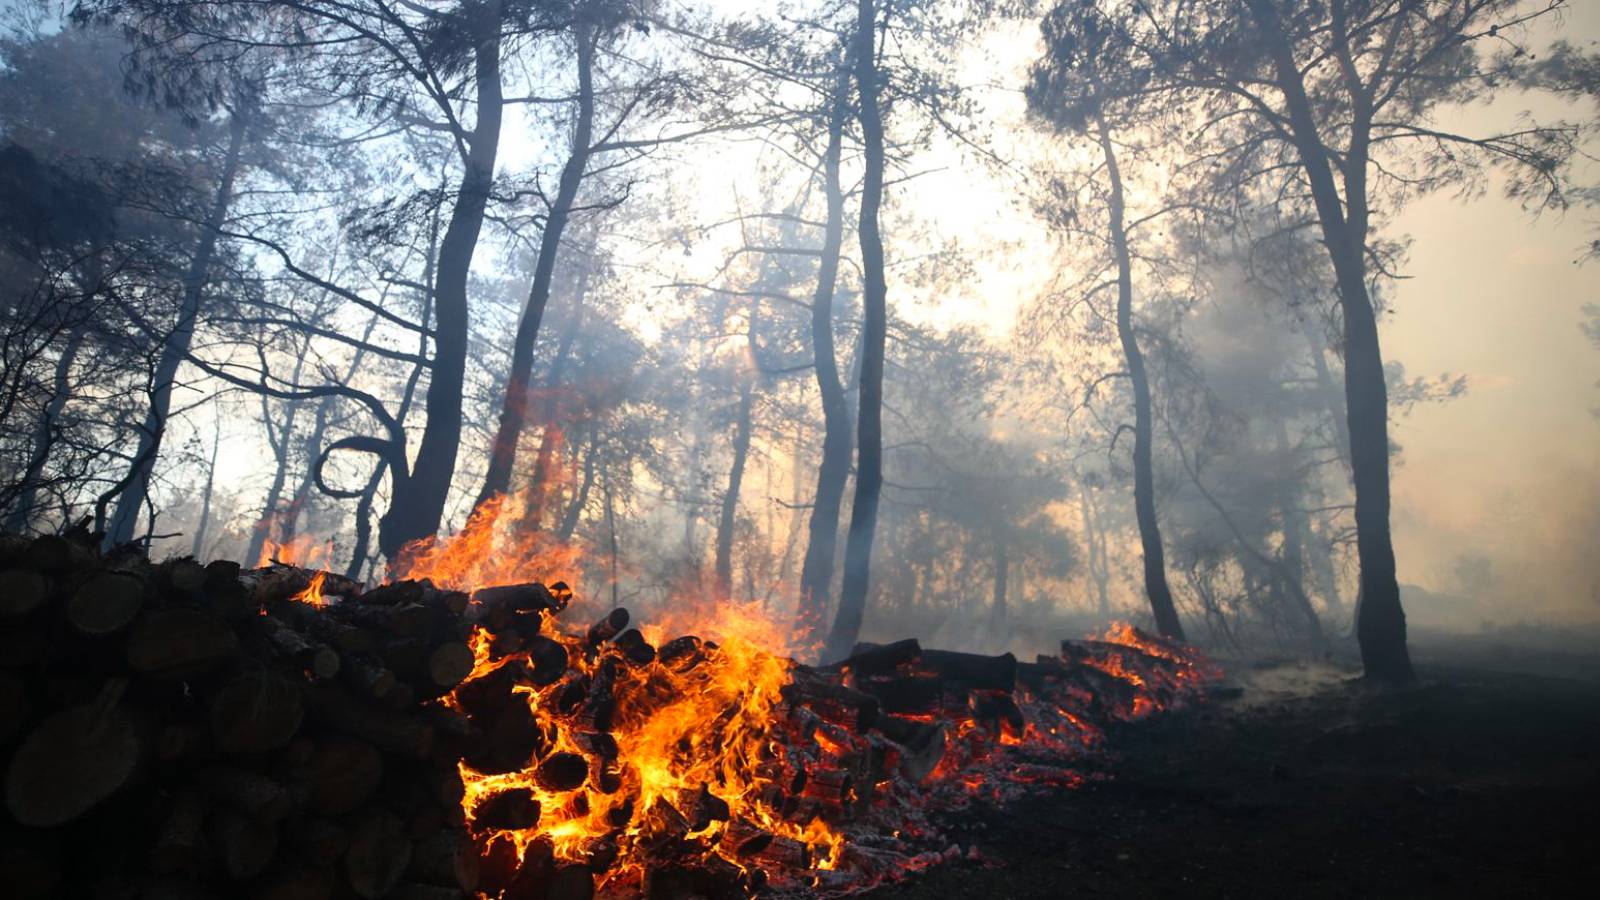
(179, 730)
(613, 756)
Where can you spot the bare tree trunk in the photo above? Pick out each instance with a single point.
(360, 552)
(869, 428)
(415, 512)
(611, 545)
(539, 481)
(1094, 539)
(1144, 501)
(514, 411)
(569, 522)
(1319, 551)
(262, 530)
(727, 516)
(1332, 396)
(691, 491)
(44, 434)
(134, 489)
(822, 541)
(200, 528)
(1293, 550)
(1380, 620)
(797, 513)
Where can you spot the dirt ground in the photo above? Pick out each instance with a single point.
(1473, 783)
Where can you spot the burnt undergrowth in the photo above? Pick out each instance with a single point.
(1310, 783)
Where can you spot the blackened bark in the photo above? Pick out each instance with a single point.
(514, 409)
(822, 534)
(1144, 502)
(869, 429)
(417, 508)
(1380, 620)
(134, 488)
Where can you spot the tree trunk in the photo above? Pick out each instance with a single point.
(730, 497)
(1095, 556)
(1332, 397)
(611, 545)
(416, 510)
(869, 428)
(1293, 561)
(44, 435)
(361, 549)
(1319, 551)
(822, 540)
(200, 528)
(549, 415)
(135, 486)
(514, 410)
(1144, 501)
(1380, 620)
(262, 530)
(569, 522)
(300, 500)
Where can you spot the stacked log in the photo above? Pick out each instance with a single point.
(188, 730)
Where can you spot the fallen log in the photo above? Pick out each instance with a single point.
(878, 659)
(831, 701)
(972, 670)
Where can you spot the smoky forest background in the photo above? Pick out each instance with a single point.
(977, 321)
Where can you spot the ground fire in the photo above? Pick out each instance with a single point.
(285, 733)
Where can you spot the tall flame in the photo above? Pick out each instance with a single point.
(492, 549)
(301, 550)
(313, 591)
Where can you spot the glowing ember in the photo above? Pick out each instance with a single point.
(724, 757)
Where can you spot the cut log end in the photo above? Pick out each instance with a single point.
(73, 760)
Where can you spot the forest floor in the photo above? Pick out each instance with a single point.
(1476, 782)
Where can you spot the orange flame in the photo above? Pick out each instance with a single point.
(701, 727)
(301, 550)
(492, 549)
(313, 591)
